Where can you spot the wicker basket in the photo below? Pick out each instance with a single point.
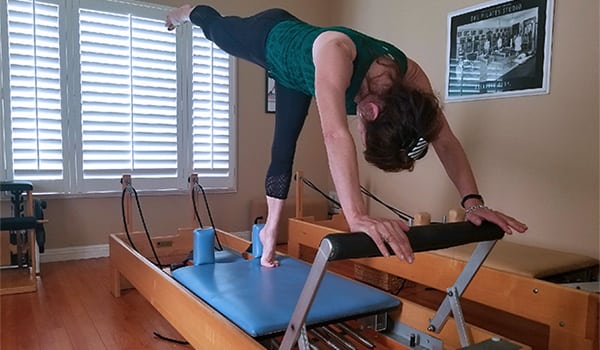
(376, 278)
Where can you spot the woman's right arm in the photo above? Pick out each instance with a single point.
(333, 55)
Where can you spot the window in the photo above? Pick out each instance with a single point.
(35, 90)
(107, 90)
(211, 101)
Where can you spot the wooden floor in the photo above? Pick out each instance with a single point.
(74, 309)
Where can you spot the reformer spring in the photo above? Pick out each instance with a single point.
(402, 215)
(129, 187)
(210, 218)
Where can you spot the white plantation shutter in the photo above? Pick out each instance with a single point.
(211, 108)
(35, 91)
(128, 96)
(93, 89)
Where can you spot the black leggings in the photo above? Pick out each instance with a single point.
(246, 37)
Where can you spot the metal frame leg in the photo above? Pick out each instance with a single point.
(463, 334)
(481, 252)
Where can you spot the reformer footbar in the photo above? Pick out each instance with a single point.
(422, 238)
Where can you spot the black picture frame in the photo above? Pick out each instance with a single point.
(499, 49)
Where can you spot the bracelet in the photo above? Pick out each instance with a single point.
(475, 207)
(470, 196)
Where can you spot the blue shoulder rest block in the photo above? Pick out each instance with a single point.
(261, 300)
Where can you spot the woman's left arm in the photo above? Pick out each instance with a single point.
(457, 166)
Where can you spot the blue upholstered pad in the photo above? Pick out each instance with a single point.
(261, 300)
(227, 256)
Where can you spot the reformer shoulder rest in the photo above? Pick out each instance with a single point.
(422, 238)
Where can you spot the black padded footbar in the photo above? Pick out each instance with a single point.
(422, 238)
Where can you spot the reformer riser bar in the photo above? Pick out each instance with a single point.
(422, 238)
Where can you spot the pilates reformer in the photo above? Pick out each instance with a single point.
(564, 317)
(204, 308)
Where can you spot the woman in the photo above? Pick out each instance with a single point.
(348, 73)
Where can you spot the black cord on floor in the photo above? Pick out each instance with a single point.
(176, 341)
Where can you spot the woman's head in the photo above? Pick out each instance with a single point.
(400, 121)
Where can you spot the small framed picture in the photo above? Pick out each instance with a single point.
(269, 94)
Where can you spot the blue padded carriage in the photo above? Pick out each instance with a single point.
(261, 300)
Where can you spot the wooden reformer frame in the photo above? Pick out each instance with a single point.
(570, 315)
(198, 322)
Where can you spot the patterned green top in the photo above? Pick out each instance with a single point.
(290, 61)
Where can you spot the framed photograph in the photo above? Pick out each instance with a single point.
(499, 49)
(270, 96)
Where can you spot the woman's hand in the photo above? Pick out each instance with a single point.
(384, 231)
(476, 214)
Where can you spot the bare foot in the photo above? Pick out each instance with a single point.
(177, 17)
(268, 238)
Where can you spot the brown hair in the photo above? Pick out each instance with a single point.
(406, 115)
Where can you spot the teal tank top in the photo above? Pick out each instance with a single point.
(290, 60)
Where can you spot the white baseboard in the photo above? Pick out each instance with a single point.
(94, 251)
(74, 253)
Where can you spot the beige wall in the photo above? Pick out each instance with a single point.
(535, 157)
